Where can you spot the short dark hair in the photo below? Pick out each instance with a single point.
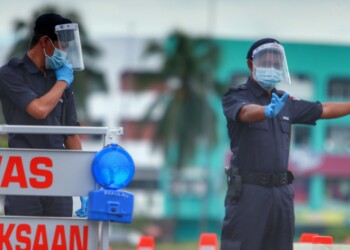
(259, 43)
(45, 26)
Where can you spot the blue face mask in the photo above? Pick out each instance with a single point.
(267, 78)
(56, 60)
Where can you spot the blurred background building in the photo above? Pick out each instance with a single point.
(130, 86)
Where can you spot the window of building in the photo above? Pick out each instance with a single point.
(337, 140)
(339, 88)
(338, 190)
(146, 179)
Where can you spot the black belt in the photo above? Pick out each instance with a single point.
(268, 179)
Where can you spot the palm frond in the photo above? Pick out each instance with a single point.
(188, 117)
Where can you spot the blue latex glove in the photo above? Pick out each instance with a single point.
(65, 73)
(82, 212)
(276, 105)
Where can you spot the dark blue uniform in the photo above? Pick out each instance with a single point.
(20, 83)
(262, 218)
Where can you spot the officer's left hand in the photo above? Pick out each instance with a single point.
(65, 73)
(276, 105)
(279, 102)
(82, 212)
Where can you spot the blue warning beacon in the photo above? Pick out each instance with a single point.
(113, 169)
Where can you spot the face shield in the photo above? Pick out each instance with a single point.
(270, 64)
(69, 41)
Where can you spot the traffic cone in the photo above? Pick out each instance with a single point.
(208, 241)
(146, 243)
(307, 237)
(324, 240)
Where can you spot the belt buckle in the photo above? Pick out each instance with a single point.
(271, 180)
(267, 180)
(274, 180)
(279, 179)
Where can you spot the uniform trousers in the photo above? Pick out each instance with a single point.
(261, 219)
(38, 206)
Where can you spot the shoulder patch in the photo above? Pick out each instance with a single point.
(294, 98)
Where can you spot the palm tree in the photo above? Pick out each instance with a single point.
(188, 70)
(85, 81)
(189, 121)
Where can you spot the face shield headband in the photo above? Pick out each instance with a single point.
(69, 41)
(270, 64)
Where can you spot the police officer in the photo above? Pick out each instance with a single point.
(35, 90)
(259, 210)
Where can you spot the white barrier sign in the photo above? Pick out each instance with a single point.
(304, 246)
(33, 233)
(46, 172)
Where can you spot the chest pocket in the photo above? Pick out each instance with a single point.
(258, 135)
(259, 125)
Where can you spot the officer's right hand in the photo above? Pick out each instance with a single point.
(65, 73)
(276, 105)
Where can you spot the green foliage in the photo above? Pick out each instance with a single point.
(339, 234)
(188, 71)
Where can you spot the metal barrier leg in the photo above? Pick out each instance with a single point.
(104, 235)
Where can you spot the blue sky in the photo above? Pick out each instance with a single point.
(297, 20)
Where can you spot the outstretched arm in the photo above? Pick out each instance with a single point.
(335, 109)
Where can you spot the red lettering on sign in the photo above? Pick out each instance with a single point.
(5, 236)
(35, 170)
(15, 173)
(21, 238)
(59, 236)
(14, 163)
(43, 237)
(75, 237)
(40, 240)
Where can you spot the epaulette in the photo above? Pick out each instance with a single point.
(15, 62)
(240, 87)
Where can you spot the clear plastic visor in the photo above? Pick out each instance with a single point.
(271, 55)
(69, 41)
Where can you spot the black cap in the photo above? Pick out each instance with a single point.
(46, 23)
(259, 43)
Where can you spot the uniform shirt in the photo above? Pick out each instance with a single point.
(264, 146)
(20, 83)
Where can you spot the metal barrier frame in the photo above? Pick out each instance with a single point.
(109, 136)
